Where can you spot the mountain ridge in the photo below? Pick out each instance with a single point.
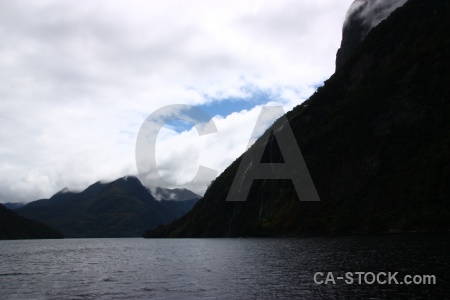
(374, 137)
(121, 208)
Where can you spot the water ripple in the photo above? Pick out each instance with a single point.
(217, 268)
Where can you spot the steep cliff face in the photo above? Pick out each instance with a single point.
(362, 16)
(353, 32)
(375, 138)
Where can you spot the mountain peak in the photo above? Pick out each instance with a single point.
(63, 191)
(120, 208)
(130, 177)
(361, 17)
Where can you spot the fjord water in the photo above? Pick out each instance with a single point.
(219, 268)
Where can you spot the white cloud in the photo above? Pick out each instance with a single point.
(374, 11)
(179, 154)
(79, 78)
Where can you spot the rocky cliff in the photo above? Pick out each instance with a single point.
(375, 138)
(361, 17)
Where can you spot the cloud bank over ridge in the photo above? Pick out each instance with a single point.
(373, 11)
(78, 79)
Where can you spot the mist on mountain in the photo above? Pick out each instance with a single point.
(375, 139)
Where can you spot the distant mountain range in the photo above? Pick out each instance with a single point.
(375, 138)
(14, 227)
(122, 208)
(13, 205)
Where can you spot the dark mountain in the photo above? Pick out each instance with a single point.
(14, 227)
(13, 205)
(375, 139)
(122, 208)
(354, 31)
(362, 16)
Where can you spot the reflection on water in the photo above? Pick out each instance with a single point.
(219, 268)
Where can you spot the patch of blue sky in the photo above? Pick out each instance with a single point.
(178, 126)
(225, 107)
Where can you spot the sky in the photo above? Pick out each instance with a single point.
(79, 78)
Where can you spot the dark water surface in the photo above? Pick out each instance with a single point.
(220, 268)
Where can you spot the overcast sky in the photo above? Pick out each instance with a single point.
(78, 79)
